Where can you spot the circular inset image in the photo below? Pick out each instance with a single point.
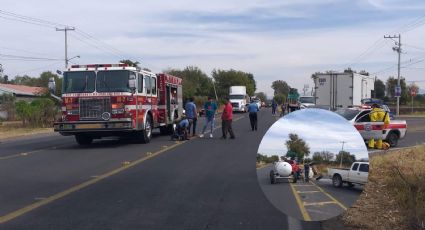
(312, 164)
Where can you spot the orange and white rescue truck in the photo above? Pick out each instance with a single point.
(102, 100)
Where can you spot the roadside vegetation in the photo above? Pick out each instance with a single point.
(394, 197)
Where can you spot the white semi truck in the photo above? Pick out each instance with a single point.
(341, 90)
(238, 98)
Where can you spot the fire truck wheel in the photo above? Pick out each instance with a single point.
(83, 139)
(146, 133)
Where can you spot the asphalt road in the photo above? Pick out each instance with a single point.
(49, 182)
(415, 132)
(309, 201)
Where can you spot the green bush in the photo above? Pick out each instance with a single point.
(39, 113)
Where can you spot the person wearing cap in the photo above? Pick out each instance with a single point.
(226, 120)
(210, 109)
(377, 114)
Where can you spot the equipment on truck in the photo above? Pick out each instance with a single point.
(102, 100)
(238, 98)
(284, 170)
(292, 100)
(341, 90)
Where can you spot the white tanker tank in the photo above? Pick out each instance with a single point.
(282, 170)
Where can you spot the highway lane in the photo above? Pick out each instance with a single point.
(198, 184)
(415, 132)
(316, 200)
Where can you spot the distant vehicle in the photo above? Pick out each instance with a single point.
(269, 103)
(371, 101)
(238, 98)
(356, 174)
(306, 102)
(292, 100)
(361, 120)
(341, 90)
(101, 100)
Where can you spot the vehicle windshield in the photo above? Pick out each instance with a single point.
(237, 97)
(78, 82)
(112, 81)
(347, 113)
(307, 100)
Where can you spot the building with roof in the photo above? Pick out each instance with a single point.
(20, 92)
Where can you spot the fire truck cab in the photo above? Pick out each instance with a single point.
(117, 100)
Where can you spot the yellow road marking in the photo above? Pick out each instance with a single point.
(64, 193)
(331, 197)
(307, 191)
(23, 154)
(319, 203)
(307, 185)
(304, 212)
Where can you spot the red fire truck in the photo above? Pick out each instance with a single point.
(117, 100)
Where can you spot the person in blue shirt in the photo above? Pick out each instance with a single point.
(210, 109)
(274, 106)
(192, 115)
(253, 109)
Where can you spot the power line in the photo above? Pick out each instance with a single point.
(27, 57)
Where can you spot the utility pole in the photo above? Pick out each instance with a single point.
(397, 48)
(341, 153)
(66, 29)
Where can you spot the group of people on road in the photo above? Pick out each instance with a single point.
(189, 122)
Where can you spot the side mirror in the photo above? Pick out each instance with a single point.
(52, 85)
(132, 83)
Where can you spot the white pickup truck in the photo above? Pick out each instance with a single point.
(357, 174)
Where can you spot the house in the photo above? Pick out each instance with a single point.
(21, 92)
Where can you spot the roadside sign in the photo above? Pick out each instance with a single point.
(397, 91)
(412, 92)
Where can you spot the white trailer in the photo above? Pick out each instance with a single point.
(341, 90)
(238, 98)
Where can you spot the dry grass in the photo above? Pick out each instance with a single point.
(394, 198)
(15, 130)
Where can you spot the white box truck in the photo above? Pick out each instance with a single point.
(341, 90)
(238, 98)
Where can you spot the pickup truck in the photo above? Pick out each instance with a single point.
(360, 118)
(357, 174)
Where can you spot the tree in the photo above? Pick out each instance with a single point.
(280, 98)
(323, 157)
(7, 103)
(298, 146)
(280, 87)
(261, 95)
(379, 91)
(226, 78)
(195, 82)
(130, 62)
(347, 158)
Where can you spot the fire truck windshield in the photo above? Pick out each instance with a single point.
(79, 82)
(112, 81)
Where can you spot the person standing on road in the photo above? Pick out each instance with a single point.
(226, 120)
(274, 106)
(306, 172)
(253, 109)
(191, 115)
(377, 114)
(210, 108)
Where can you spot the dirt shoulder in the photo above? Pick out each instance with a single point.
(12, 132)
(393, 198)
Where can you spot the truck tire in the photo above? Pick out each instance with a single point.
(83, 139)
(145, 135)
(337, 181)
(392, 139)
(272, 177)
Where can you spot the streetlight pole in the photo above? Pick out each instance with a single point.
(397, 48)
(342, 150)
(66, 42)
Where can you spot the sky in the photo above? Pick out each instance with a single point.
(274, 40)
(322, 130)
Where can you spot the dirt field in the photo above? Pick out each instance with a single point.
(394, 197)
(11, 131)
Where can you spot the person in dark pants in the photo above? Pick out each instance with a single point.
(274, 106)
(226, 120)
(192, 115)
(306, 172)
(253, 109)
